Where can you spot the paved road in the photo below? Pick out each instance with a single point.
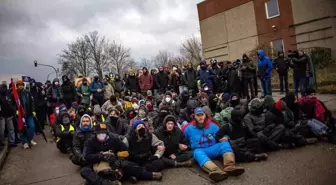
(310, 165)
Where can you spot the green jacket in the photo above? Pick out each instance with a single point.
(84, 93)
(249, 71)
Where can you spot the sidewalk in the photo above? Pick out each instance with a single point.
(3, 153)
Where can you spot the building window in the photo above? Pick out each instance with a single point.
(277, 46)
(272, 9)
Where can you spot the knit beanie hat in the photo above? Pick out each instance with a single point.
(136, 123)
(226, 97)
(97, 110)
(149, 93)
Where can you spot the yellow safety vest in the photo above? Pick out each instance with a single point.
(71, 129)
(103, 120)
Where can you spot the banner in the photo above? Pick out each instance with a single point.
(78, 81)
(26, 79)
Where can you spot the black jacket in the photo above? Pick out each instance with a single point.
(236, 131)
(38, 97)
(69, 91)
(162, 79)
(190, 78)
(301, 65)
(132, 82)
(93, 148)
(120, 128)
(171, 139)
(79, 140)
(6, 107)
(282, 64)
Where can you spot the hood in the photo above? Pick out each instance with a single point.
(290, 100)
(191, 105)
(268, 102)
(80, 125)
(255, 105)
(261, 53)
(184, 95)
(65, 79)
(280, 52)
(55, 80)
(166, 119)
(61, 115)
(248, 59)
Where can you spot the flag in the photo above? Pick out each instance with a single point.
(19, 107)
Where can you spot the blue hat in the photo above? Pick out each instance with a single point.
(199, 110)
(136, 123)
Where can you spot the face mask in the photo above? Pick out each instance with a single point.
(237, 120)
(234, 103)
(131, 115)
(101, 137)
(56, 83)
(142, 132)
(66, 120)
(57, 111)
(163, 114)
(142, 113)
(206, 88)
(168, 100)
(114, 120)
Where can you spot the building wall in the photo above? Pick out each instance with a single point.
(266, 33)
(227, 35)
(314, 23)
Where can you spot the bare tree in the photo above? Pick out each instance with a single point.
(146, 63)
(163, 58)
(99, 56)
(179, 61)
(68, 70)
(120, 56)
(76, 58)
(191, 50)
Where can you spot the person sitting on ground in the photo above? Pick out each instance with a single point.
(64, 132)
(146, 149)
(83, 133)
(176, 153)
(158, 119)
(143, 115)
(168, 101)
(238, 104)
(223, 102)
(292, 104)
(245, 146)
(112, 103)
(115, 124)
(107, 154)
(201, 133)
(182, 102)
(186, 114)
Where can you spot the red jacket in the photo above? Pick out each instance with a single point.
(145, 82)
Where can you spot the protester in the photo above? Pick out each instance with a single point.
(83, 91)
(301, 69)
(97, 89)
(132, 82)
(264, 73)
(69, 91)
(162, 80)
(6, 118)
(281, 64)
(39, 105)
(145, 81)
(118, 86)
(248, 69)
(114, 103)
(55, 94)
(206, 75)
(143, 116)
(115, 124)
(201, 133)
(108, 91)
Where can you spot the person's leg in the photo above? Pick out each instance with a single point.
(281, 78)
(303, 82)
(2, 131)
(286, 81)
(268, 86)
(38, 115)
(11, 132)
(263, 87)
(250, 84)
(245, 88)
(168, 162)
(184, 156)
(92, 177)
(296, 85)
(255, 84)
(31, 127)
(155, 166)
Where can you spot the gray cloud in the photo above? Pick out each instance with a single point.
(40, 29)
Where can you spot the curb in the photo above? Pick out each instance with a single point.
(3, 153)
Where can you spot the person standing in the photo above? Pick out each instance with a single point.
(190, 78)
(264, 73)
(109, 91)
(69, 91)
(97, 89)
(132, 82)
(217, 72)
(162, 80)
(6, 118)
(145, 81)
(84, 93)
(55, 94)
(206, 75)
(27, 103)
(248, 69)
(118, 86)
(174, 79)
(281, 65)
(36, 92)
(301, 67)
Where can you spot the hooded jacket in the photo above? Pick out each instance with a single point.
(190, 78)
(146, 81)
(206, 76)
(171, 139)
(281, 64)
(120, 127)
(66, 135)
(301, 65)
(94, 86)
(108, 91)
(248, 73)
(54, 93)
(148, 121)
(118, 84)
(69, 91)
(162, 79)
(108, 105)
(186, 113)
(27, 102)
(81, 137)
(264, 65)
(255, 120)
(132, 82)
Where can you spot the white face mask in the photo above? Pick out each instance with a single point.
(168, 100)
(101, 136)
(57, 111)
(206, 89)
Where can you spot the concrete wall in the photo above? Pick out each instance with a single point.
(314, 23)
(227, 35)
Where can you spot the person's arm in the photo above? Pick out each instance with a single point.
(60, 133)
(91, 155)
(252, 66)
(91, 89)
(156, 143)
(102, 86)
(105, 107)
(76, 146)
(249, 124)
(150, 126)
(269, 66)
(150, 82)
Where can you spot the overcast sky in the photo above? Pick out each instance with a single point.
(39, 29)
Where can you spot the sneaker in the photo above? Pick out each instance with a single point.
(33, 142)
(25, 146)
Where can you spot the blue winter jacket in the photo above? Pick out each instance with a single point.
(201, 138)
(206, 76)
(94, 86)
(264, 65)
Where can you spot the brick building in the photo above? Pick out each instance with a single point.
(230, 28)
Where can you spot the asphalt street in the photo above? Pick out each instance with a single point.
(310, 165)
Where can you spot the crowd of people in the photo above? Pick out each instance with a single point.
(133, 128)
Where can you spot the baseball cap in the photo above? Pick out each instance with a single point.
(199, 110)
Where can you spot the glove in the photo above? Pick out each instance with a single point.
(152, 158)
(34, 114)
(17, 112)
(123, 154)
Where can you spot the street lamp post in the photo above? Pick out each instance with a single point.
(37, 64)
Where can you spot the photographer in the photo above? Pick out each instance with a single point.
(301, 66)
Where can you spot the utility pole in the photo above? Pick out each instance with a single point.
(38, 64)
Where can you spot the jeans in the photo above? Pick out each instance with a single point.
(266, 85)
(282, 78)
(7, 123)
(30, 130)
(203, 155)
(300, 82)
(248, 83)
(182, 88)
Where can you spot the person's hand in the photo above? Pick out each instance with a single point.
(152, 158)
(99, 90)
(161, 148)
(244, 67)
(34, 114)
(172, 156)
(224, 139)
(183, 146)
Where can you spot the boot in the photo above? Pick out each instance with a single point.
(157, 176)
(311, 140)
(229, 165)
(109, 182)
(184, 164)
(260, 157)
(215, 173)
